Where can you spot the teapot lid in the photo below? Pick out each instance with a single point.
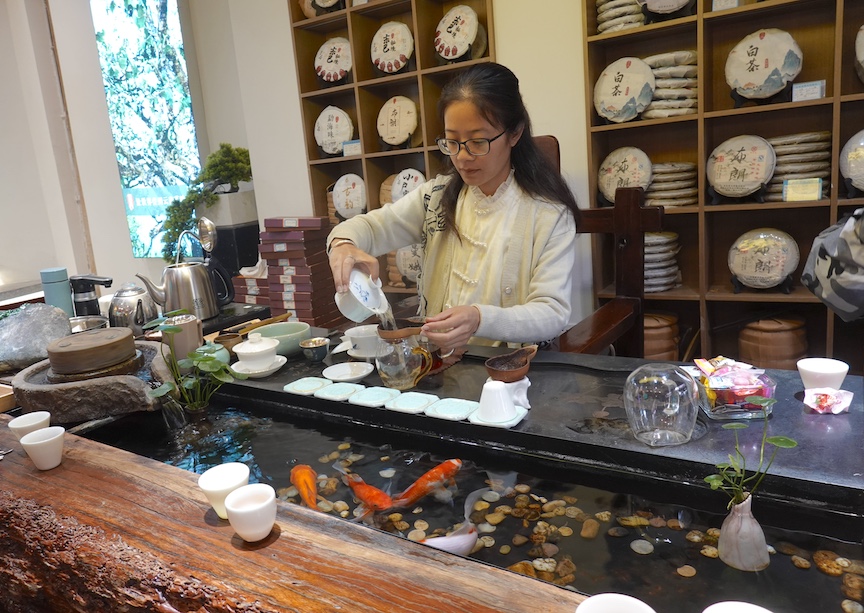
(129, 289)
(255, 344)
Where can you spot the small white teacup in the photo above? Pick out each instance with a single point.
(364, 340)
(734, 606)
(252, 511)
(822, 372)
(219, 481)
(24, 424)
(496, 404)
(45, 446)
(613, 603)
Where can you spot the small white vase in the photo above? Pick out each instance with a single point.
(742, 542)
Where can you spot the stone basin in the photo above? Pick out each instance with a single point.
(96, 398)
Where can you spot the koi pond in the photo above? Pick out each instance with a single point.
(652, 540)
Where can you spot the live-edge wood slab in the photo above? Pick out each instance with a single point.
(108, 530)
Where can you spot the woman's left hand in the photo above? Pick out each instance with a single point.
(452, 328)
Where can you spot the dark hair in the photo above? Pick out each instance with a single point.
(494, 90)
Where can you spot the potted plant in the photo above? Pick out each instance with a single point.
(742, 542)
(222, 173)
(193, 379)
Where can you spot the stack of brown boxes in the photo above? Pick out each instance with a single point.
(249, 290)
(298, 273)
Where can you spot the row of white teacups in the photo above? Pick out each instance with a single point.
(621, 603)
(42, 442)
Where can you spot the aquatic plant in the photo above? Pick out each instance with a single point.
(733, 477)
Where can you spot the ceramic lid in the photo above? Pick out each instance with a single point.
(852, 160)
(129, 289)
(455, 32)
(763, 63)
(624, 167)
(332, 128)
(405, 182)
(741, 165)
(333, 61)
(392, 47)
(397, 120)
(763, 257)
(349, 195)
(256, 345)
(624, 89)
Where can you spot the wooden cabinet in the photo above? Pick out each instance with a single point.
(707, 304)
(365, 90)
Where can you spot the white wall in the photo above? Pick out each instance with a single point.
(249, 90)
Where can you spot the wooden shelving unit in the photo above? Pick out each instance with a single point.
(367, 88)
(825, 30)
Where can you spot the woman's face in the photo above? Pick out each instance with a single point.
(462, 121)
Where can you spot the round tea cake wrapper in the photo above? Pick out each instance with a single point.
(665, 248)
(668, 167)
(739, 166)
(689, 192)
(660, 238)
(795, 158)
(349, 195)
(852, 160)
(653, 280)
(660, 257)
(667, 202)
(624, 167)
(405, 182)
(801, 148)
(481, 41)
(397, 120)
(763, 258)
(662, 186)
(624, 89)
(636, 20)
(326, 4)
(792, 168)
(623, 26)
(674, 103)
(664, 7)
(455, 32)
(392, 47)
(672, 58)
(676, 72)
(308, 8)
(763, 62)
(802, 137)
(664, 113)
(332, 128)
(653, 289)
(673, 177)
(815, 174)
(604, 6)
(660, 263)
(409, 260)
(859, 53)
(672, 94)
(627, 8)
(675, 82)
(333, 61)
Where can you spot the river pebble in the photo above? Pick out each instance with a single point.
(565, 567)
(713, 533)
(709, 551)
(617, 531)
(491, 496)
(421, 524)
(519, 539)
(521, 501)
(850, 606)
(340, 505)
(657, 522)
(504, 550)
(522, 488)
(590, 528)
(401, 525)
(344, 446)
(504, 509)
(791, 550)
(287, 492)
(394, 517)
(603, 515)
(565, 531)
(853, 587)
(487, 541)
(545, 564)
(800, 562)
(686, 571)
(328, 486)
(632, 521)
(695, 536)
(325, 505)
(416, 535)
(523, 568)
(552, 505)
(485, 528)
(642, 547)
(674, 524)
(570, 499)
(495, 518)
(826, 562)
(387, 473)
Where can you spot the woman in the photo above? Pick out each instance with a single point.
(497, 229)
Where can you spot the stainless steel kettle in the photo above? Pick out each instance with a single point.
(132, 307)
(189, 286)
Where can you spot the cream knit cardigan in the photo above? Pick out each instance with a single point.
(535, 286)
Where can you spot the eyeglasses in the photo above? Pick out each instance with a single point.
(474, 146)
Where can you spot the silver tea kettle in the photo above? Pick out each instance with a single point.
(190, 285)
(132, 307)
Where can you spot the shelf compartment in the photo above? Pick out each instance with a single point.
(847, 344)
(851, 122)
(323, 176)
(725, 325)
(372, 98)
(320, 22)
(307, 41)
(379, 168)
(365, 24)
(811, 24)
(312, 108)
(430, 12)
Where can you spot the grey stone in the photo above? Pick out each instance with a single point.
(26, 334)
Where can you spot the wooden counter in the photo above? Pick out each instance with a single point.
(109, 531)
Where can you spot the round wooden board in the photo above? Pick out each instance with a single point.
(91, 350)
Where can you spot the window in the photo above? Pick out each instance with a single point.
(147, 89)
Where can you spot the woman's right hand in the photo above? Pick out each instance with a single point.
(344, 258)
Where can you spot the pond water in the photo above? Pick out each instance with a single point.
(271, 443)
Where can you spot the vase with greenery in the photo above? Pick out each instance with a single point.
(742, 542)
(222, 173)
(194, 379)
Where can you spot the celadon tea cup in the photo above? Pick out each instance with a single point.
(45, 446)
(29, 422)
(252, 511)
(219, 481)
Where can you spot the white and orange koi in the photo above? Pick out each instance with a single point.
(431, 481)
(462, 540)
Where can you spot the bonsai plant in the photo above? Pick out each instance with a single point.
(194, 378)
(225, 167)
(742, 542)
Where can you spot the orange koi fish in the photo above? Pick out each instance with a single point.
(371, 498)
(431, 481)
(305, 479)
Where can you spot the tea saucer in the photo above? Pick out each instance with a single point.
(307, 385)
(411, 402)
(374, 397)
(258, 373)
(360, 356)
(521, 412)
(454, 409)
(349, 372)
(338, 391)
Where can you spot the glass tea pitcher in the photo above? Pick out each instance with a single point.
(402, 360)
(662, 402)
